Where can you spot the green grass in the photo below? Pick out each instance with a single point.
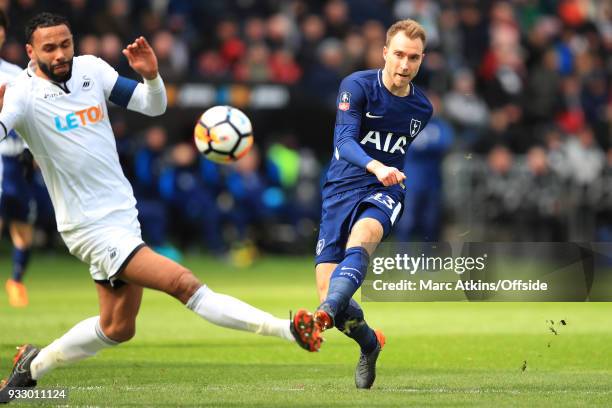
(438, 354)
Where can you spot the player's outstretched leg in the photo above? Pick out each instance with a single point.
(154, 271)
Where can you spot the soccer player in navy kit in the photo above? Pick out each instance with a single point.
(380, 112)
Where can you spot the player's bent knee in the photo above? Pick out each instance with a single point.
(183, 284)
(120, 331)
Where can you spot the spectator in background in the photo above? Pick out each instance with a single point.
(423, 203)
(313, 32)
(255, 66)
(89, 45)
(586, 161)
(254, 30)
(152, 212)
(283, 68)
(426, 12)
(474, 34)
(110, 51)
(451, 45)
(115, 18)
(502, 68)
(501, 189)
(281, 33)
(321, 81)
(230, 45)
(354, 47)
(543, 98)
(172, 55)
(336, 15)
(211, 67)
(542, 210)
(465, 109)
(246, 185)
(374, 33)
(192, 205)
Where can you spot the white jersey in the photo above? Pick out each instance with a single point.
(12, 146)
(67, 129)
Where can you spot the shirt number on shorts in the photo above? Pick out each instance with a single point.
(384, 199)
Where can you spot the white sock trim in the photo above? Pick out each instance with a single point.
(104, 337)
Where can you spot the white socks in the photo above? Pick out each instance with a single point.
(227, 311)
(82, 341)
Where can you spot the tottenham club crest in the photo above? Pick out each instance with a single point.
(415, 127)
(345, 101)
(320, 246)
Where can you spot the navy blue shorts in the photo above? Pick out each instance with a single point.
(17, 208)
(342, 210)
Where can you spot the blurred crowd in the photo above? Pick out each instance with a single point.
(522, 90)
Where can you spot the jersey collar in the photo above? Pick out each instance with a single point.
(31, 71)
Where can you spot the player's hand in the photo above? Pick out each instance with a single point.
(388, 176)
(141, 58)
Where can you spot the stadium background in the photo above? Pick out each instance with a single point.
(520, 147)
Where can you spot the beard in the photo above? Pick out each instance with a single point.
(47, 69)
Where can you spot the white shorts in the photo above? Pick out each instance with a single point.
(106, 244)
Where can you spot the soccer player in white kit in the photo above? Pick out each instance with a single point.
(58, 105)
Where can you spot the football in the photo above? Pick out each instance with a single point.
(223, 134)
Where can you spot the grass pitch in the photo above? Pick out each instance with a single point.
(437, 354)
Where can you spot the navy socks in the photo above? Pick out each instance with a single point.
(20, 262)
(346, 279)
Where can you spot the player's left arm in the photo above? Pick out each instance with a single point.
(149, 97)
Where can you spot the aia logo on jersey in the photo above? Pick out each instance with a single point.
(345, 101)
(383, 141)
(415, 127)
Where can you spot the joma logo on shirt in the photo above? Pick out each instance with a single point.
(384, 143)
(83, 117)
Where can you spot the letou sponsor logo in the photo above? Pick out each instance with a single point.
(80, 118)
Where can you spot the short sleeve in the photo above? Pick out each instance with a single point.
(350, 102)
(107, 74)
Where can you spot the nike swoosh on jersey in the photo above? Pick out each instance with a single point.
(369, 115)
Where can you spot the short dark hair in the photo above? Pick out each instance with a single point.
(43, 20)
(3, 20)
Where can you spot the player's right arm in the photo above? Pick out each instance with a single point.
(351, 104)
(149, 97)
(11, 109)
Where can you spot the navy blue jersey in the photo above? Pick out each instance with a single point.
(383, 125)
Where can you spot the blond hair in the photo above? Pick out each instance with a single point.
(411, 28)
